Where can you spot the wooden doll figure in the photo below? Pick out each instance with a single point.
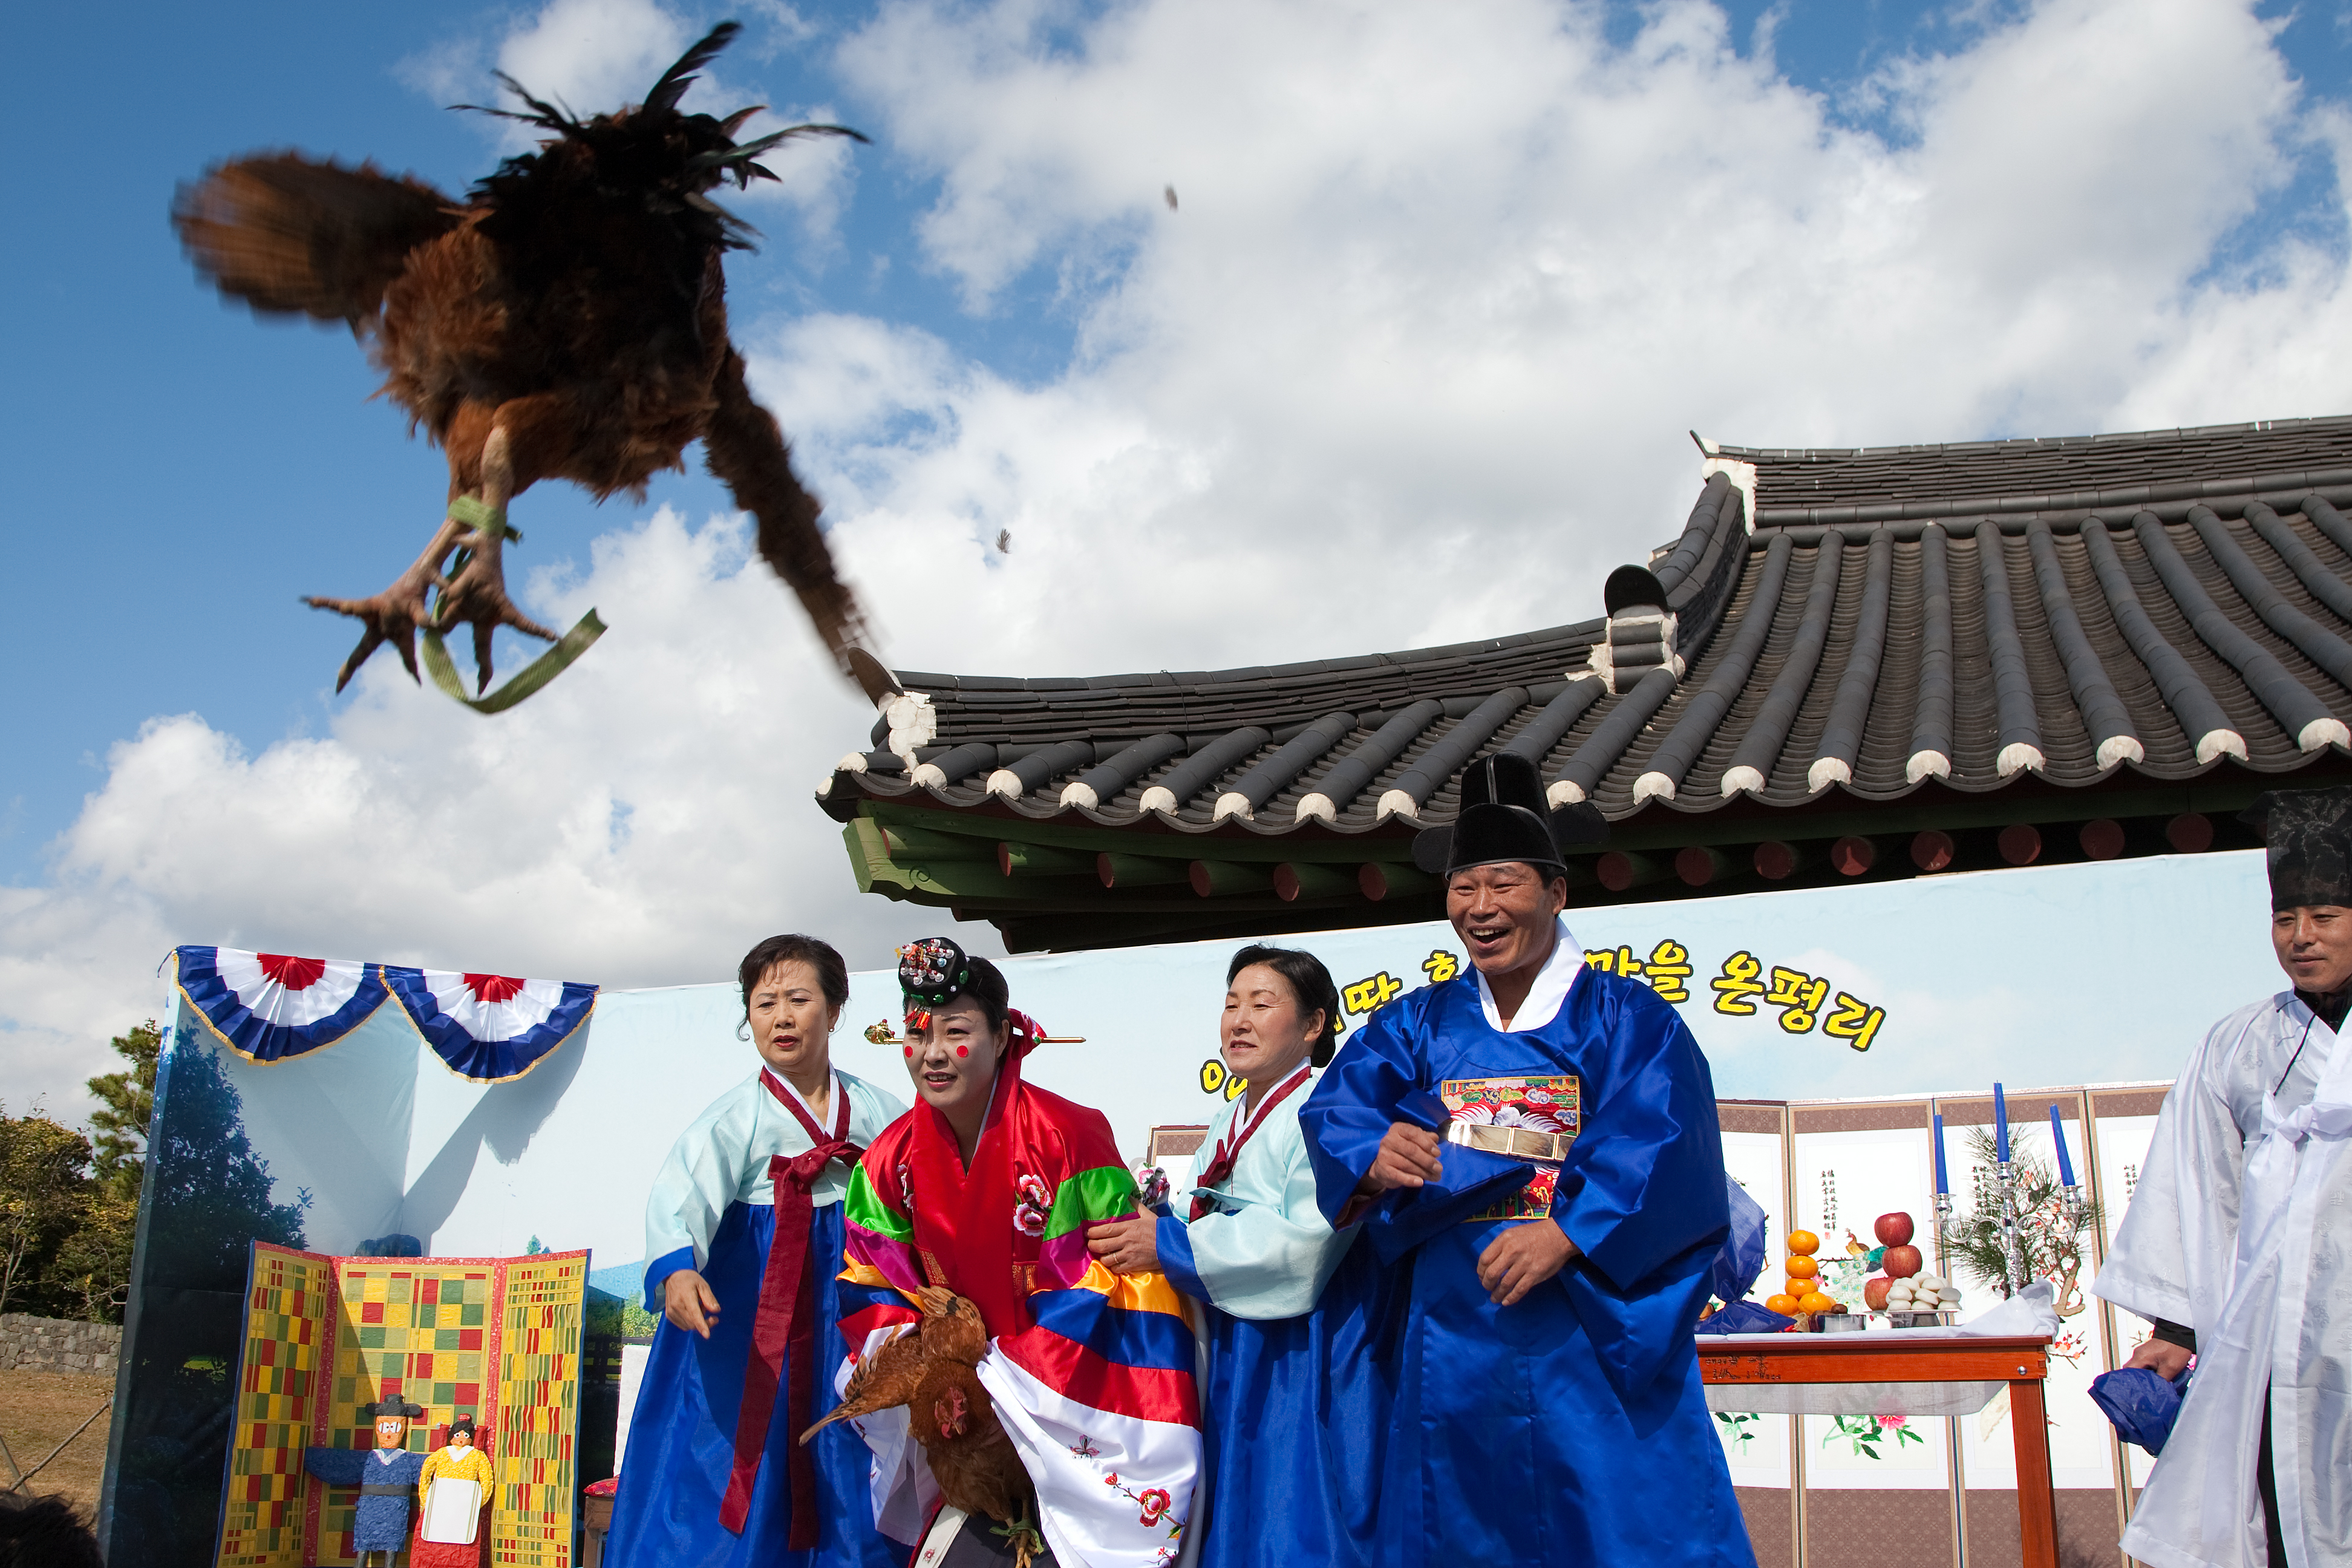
(453, 1500)
(386, 1478)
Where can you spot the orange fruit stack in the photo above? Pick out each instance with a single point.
(1803, 1296)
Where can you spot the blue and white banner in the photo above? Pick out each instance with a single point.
(490, 1028)
(267, 1006)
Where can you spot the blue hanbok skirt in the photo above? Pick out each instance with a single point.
(1296, 1410)
(682, 1436)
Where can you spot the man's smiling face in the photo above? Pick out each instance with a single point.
(1503, 913)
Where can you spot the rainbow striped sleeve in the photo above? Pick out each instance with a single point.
(1121, 1343)
(878, 1238)
(1106, 1191)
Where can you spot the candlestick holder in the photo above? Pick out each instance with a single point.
(2071, 1197)
(2012, 1253)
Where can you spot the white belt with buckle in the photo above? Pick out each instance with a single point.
(1517, 1143)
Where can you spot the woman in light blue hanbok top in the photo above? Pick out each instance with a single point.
(1293, 1407)
(743, 1233)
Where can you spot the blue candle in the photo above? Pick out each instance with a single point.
(2058, 1141)
(1942, 1186)
(2000, 1125)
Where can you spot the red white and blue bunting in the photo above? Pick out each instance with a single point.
(490, 1028)
(270, 1007)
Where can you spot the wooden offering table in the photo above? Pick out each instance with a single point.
(1912, 1356)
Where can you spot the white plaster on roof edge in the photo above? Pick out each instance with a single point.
(1396, 803)
(1563, 792)
(1006, 783)
(1159, 797)
(1317, 807)
(1652, 785)
(1233, 802)
(1743, 480)
(2017, 757)
(1827, 771)
(2119, 749)
(2324, 732)
(1741, 778)
(1922, 763)
(2215, 744)
(926, 775)
(913, 723)
(1080, 794)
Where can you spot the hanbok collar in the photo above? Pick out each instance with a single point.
(964, 1213)
(1549, 990)
(1239, 1130)
(779, 1086)
(2329, 1110)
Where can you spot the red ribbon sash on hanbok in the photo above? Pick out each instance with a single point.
(1237, 1132)
(783, 1333)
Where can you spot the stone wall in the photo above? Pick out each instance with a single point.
(56, 1344)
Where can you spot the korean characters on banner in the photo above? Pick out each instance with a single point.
(1744, 988)
(1740, 985)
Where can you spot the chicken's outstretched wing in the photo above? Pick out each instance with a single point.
(293, 236)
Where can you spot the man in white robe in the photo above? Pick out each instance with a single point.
(2237, 1247)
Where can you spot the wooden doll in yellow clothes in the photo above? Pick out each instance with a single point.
(453, 1494)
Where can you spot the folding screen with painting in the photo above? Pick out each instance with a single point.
(498, 1338)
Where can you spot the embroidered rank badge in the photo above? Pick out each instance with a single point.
(1531, 1119)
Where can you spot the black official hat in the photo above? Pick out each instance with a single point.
(391, 1407)
(2308, 838)
(1504, 818)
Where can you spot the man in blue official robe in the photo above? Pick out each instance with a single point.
(1533, 1146)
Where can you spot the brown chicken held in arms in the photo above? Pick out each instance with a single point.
(568, 321)
(931, 1369)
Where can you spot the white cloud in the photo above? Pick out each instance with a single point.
(643, 821)
(594, 55)
(1411, 363)
(1414, 358)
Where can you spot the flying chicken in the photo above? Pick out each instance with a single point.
(568, 321)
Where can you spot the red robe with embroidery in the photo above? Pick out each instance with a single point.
(1092, 1371)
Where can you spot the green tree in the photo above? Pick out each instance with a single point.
(90, 1275)
(44, 1193)
(126, 1102)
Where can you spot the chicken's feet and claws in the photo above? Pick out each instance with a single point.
(475, 593)
(1021, 1534)
(397, 614)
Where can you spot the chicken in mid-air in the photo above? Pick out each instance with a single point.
(931, 1369)
(568, 321)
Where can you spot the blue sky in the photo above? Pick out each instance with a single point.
(1215, 434)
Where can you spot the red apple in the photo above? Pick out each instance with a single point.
(1894, 1229)
(1901, 1262)
(1873, 1293)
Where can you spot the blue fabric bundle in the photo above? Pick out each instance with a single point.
(2142, 1404)
(1742, 1258)
(1745, 1318)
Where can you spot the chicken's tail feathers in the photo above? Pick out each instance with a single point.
(746, 451)
(296, 236)
(841, 1412)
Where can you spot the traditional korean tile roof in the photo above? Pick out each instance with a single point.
(1879, 662)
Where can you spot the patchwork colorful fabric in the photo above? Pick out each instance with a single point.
(496, 1338)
